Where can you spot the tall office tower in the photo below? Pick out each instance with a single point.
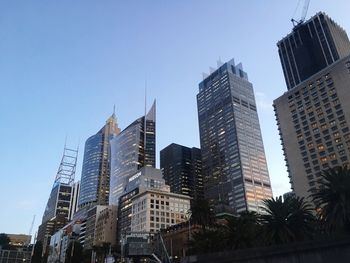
(233, 158)
(311, 47)
(313, 117)
(96, 165)
(132, 149)
(182, 170)
(59, 206)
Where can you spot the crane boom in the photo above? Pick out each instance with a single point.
(31, 229)
(303, 14)
(305, 8)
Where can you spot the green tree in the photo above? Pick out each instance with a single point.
(4, 241)
(242, 231)
(201, 213)
(207, 241)
(37, 252)
(74, 252)
(332, 200)
(287, 221)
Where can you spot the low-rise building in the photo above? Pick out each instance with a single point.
(148, 205)
(106, 227)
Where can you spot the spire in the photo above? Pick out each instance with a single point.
(151, 115)
(112, 118)
(111, 124)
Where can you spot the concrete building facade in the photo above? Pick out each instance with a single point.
(313, 120)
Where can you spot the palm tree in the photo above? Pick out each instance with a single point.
(287, 221)
(332, 199)
(242, 231)
(201, 213)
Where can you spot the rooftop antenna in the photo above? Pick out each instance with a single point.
(297, 22)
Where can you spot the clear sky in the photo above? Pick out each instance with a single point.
(64, 64)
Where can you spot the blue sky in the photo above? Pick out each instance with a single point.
(64, 64)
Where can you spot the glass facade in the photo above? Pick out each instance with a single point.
(233, 158)
(133, 148)
(59, 202)
(96, 167)
(182, 170)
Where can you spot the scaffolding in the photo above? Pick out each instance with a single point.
(66, 170)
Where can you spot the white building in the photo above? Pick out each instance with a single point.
(148, 205)
(153, 210)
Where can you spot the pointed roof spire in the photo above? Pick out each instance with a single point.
(151, 115)
(113, 117)
(111, 123)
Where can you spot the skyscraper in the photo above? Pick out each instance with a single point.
(96, 167)
(133, 148)
(311, 47)
(313, 117)
(234, 165)
(182, 170)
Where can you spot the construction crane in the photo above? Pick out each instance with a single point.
(31, 230)
(303, 14)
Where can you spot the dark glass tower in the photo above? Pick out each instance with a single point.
(233, 158)
(311, 47)
(182, 170)
(133, 148)
(94, 189)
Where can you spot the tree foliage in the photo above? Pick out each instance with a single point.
(4, 241)
(283, 221)
(207, 241)
(333, 200)
(74, 252)
(242, 231)
(37, 252)
(202, 214)
(287, 221)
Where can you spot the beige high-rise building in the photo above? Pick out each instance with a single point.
(313, 116)
(313, 120)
